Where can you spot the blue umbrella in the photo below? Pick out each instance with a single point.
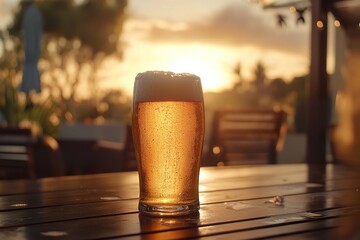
(32, 27)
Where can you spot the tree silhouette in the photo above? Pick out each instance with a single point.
(279, 89)
(76, 39)
(259, 77)
(239, 81)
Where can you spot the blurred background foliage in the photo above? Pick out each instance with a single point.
(78, 36)
(40, 116)
(259, 91)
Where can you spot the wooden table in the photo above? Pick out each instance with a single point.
(236, 203)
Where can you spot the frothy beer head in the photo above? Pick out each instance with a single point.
(167, 86)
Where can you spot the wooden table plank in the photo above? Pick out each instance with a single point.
(233, 205)
(314, 234)
(106, 226)
(122, 206)
(67, 183)
(185, 227)
(208, 175)
(251, 188)
(278, 231)
(239, 226)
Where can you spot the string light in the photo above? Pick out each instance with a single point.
(337, 23)
(319, 24)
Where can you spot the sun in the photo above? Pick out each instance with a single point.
(210, 75)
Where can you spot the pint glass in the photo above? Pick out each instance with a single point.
(168, 130)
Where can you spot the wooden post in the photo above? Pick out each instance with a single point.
(317, 87)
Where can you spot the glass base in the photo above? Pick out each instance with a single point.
(168, 210)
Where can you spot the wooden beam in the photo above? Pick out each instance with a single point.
(317, 87)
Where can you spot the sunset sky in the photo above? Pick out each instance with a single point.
(204, 37)
(208, 38)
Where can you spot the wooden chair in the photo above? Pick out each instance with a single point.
(16, 153)
(246, 136)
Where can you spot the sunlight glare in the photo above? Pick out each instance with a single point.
(210, 76)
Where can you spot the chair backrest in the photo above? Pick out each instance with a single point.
(246, 136)
(16, 153)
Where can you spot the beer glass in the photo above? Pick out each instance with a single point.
(168, 130)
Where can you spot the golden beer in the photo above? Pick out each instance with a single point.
(168, 132)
